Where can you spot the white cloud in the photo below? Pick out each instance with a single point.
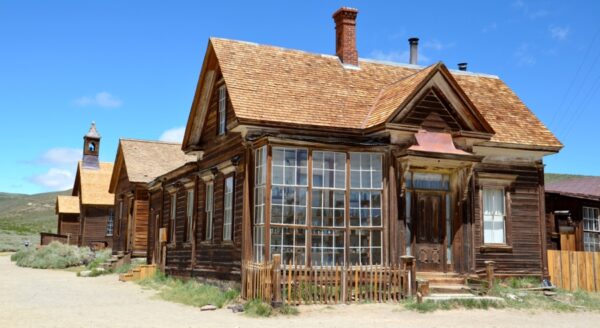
(64, 157)
(524, 55)
(559, 33)
(173, 135)
(54, 179)
(397, 56)
(490, 27)
(101, 99)
(437, 45)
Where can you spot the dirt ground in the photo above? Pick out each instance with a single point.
(51, 298)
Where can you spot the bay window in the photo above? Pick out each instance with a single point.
(228, 209)
(325, 213)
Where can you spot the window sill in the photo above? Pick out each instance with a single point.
(495, 248)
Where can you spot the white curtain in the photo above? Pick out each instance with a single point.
(493, 216)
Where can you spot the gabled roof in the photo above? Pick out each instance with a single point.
(581, 187)
(144, 160)
(94, 185)
(67, 204)
(276, 86)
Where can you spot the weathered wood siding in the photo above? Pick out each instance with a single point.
(94, 226)
(140, 233)
(555, 202)
(69, 224)
(523, 226)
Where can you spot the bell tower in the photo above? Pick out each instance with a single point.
(91, 148)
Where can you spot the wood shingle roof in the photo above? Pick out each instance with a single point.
(272, 85)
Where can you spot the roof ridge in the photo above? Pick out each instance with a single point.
(150, 141)
(389, 86)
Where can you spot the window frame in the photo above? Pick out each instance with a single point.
(592, 234)
(228, 209)
(502, 191)
(209, 211)
(496, 181)
(173, 218)
(110, 222)
(190, 201)
(222, 110)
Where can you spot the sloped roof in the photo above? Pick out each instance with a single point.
(94, 184)
(67, 204)
(582, 187)
(274, 85)
(145, 160)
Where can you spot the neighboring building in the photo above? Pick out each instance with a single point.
(572, 214)
(67, 209)
(96, 204)
(137, 163)
(339, 160)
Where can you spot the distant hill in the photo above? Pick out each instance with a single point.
(23, 217)
(555, 177)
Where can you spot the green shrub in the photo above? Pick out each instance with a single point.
(53, 256)
(189, 292)
(99, 258)
(288, 310)
(257, 308)
(430, 306)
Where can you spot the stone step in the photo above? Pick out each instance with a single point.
(450, 297)
(437, 288)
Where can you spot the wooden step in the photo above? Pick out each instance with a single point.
(437, 288)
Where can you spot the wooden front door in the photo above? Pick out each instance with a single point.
(429, 231)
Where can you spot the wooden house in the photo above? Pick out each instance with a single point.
(96, 204)
(338, 160)
(573, 214)
(67, 209)
(137, 163)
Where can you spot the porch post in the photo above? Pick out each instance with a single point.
(408, 262)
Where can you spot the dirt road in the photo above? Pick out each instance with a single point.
(48, 298)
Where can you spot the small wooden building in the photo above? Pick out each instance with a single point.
(335, 160)
(96, 204)
(67, 209)
(573, 214)
(137, 163)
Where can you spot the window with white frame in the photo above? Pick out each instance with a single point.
(366, 185)
(190, 214)
(222, 109)
(208, 225)
(173, 216)
(494, 216)
(260, 181)
(328, 208)
(591, 229)
(228, 209)
(288, 203)
(110, 224)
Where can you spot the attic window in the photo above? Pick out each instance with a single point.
(222, 109)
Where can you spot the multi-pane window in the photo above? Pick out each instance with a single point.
(591, 229)
(260, 180)
(290, 243)
(190, 214)
(366, 184)
(289, 202)
(208, 226)
(494, 216)
(222, 109)
(228, 209)
(111, 222)
(328, 207)
(173, 216)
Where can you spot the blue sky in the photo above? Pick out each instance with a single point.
(132, 66)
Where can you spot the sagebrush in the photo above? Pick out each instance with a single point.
(54, 256)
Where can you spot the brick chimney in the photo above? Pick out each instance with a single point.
(345, 35)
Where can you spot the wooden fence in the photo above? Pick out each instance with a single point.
(294, 285)
(46, 238)
(575, 270)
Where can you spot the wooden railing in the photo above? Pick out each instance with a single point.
(294, 285)
(575, 270)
